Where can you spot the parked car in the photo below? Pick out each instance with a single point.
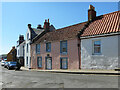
(11, 65)
(6, 64)
(2, 63)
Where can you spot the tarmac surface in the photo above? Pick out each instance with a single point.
(36, 79)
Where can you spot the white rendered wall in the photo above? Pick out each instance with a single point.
(27, 54)
(109, 53)
(20, 50)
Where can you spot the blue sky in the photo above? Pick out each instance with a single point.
(16, 16)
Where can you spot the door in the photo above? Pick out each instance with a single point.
(48, 63)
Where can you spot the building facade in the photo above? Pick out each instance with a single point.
(100, 42)
(58, 49)
(11, 56)
(21, 50)
(30, 35)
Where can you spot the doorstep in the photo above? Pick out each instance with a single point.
(85, 71)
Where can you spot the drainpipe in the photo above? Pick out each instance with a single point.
(79, 53)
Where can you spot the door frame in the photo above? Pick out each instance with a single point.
(46, 63)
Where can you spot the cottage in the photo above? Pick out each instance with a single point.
(58, 49)
(100, 41)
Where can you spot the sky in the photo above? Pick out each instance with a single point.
(17, 15)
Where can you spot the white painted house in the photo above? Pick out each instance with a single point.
(30, 34)
(100, 41)
(21, 49)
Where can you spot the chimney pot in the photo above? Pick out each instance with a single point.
(48, 20)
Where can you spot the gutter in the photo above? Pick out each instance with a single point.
(101, 35)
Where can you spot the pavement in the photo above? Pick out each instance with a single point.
(104, 72)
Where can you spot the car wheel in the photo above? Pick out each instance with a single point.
(8, 68)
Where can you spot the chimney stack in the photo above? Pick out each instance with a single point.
(91, 13)
(21, 39)
(29, 25)
(46, 25)
(13, 47)
(39, 27)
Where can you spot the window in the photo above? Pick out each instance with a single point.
(97, 47)
(27, 36)
(27, 60)
(63, 47)
(39, 61)
(64, 63)
(27, 48)
(23, 51)
(37, 48)
(18, 52)
(48, 47)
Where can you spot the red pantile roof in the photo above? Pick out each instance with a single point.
(108, 23)
(65, 33)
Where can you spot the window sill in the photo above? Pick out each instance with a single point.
(64, 53)
(48, 51)
(39, 67)
(97, 55)
(37, 53)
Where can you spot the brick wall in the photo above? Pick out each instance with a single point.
(72, 55)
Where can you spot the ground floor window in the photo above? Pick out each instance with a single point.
(64, 63)
(39, 61)
(27, 60)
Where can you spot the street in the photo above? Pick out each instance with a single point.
(34, 79)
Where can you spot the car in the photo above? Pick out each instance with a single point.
(11, 65)
(2, 63)
(6, 64)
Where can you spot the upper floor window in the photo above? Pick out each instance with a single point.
(48, 47)
(37, 48)
(18, 52)
(27, 36)
(97, 47)
(27, 48)
(63, 47)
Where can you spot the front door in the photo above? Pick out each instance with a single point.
(48, 63)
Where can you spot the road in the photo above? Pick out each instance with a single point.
(34, 79)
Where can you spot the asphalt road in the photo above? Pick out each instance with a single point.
(34, 79)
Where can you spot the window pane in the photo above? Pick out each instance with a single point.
(37, 48)
(64, 63)
(97, 46)
(63, 46)
(48, 47)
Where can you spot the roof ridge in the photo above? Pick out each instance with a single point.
(70, 26)
(109, 13)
